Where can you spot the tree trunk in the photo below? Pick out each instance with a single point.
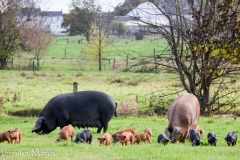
(87, 37)
(3, 63)
(203, 102)
(38, 64)
(100, 55)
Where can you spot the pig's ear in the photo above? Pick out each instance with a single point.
(38, 124)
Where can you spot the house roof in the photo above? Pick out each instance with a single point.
(126, 18)
(51, 13)
(148, 12)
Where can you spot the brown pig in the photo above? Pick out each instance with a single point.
(15, 135)
(126, 137)
(142, 137)
(66, 133)
(106, 139)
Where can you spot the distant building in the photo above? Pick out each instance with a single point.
(53, 21)
(144, 13)
(142, 17)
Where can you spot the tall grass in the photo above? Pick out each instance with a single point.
(36, 89)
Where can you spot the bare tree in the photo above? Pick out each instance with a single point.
(37, 38)
(203, 37)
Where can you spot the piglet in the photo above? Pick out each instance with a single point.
(195, 138)
(106, 139)
(84, 137)
(231, 138)
(65, 133)
(212, 138)
(162, 138)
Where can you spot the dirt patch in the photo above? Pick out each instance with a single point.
(25, 113)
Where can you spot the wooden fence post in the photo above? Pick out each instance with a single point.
(12, 63)
(30, 64)
(114, 61)
(127, 63)
(155, 59)
(33, 67)
(75, 84)
(109, 64)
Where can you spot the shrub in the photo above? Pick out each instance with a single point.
(129, 107)
(138, 35)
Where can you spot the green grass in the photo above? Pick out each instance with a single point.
(35, 90)
(32, 142)
(73, 57)
(130, 90)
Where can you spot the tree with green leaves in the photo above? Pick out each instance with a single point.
(119, 27)
(123, 8)
(81, 17)
(12, 14)
(205, 48)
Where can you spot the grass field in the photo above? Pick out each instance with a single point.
(24, 91)
(33, 91)
(71, 54)
(35, 146)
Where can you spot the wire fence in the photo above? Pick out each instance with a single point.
(140, 64)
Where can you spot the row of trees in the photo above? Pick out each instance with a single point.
(22, 29)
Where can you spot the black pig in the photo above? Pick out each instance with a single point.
(231, 138)
(81, 109)
(162, 138)
(195, 138)
(212, 138)
(84, 136)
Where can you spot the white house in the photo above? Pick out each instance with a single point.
(53, 20)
